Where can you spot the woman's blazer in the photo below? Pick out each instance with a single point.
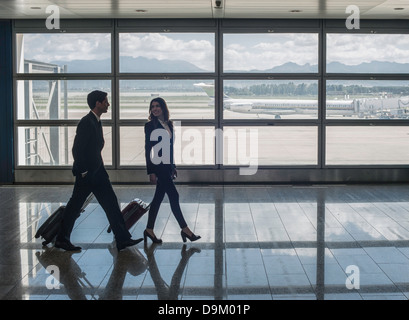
(153, 138)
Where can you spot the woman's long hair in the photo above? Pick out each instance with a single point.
(165, 111)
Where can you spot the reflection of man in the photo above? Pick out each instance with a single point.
(69, 273)
(91, 176)
(132, 262)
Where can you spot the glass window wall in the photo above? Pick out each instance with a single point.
(367, 53)
(314, 96)
(367, 145)
(57, 99)
(271, 53)
(63, 53)
(270, 99)
(367, 99)
(185, 98)
(166, 52)
(193, 145)
(42, 145)
(270, 146)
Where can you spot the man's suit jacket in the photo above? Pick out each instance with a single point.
(88, 144)
(150, 166)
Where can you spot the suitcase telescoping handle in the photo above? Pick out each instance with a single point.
(133, 206)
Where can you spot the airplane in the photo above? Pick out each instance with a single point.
(279, 107)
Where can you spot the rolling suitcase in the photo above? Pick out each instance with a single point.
(49, 229)
(133, 212)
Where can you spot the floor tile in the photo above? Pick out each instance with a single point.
(258, 242)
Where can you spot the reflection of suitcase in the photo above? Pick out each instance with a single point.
(66, 272)
(49, 229)
(133, 212)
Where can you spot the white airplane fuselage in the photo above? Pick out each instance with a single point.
(285, 107)
(362, 107)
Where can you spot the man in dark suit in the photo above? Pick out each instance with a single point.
(91, 176)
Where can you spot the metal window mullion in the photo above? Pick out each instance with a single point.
(218, 98)
(280, 76)
(322, 69)
(115, 96)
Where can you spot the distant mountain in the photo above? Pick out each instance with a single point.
(129, 64)
(141, 64)
(146, 65)
(336, 67)
(88, 66)
(371, 67)
(293, 68)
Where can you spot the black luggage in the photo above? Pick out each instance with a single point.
(49, 229)
(133, 212)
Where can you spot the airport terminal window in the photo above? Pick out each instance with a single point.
(270, 146)
(63, 53)
(270, 99)
(57, 99)
(270, 53)
(371, 102)
(367, 145)
(132, 146)
(50, 99)
(367, 53)
(186, 54)
(193, 146)
(271, 81)
(367, 99)
(185, 98)
(166, 52)
(44, 145)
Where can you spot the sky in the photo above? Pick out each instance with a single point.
(352, 49)
(242, 52)
(54, 47)
(197, 48)
(265, 51)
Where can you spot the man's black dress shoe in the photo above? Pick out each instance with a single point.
(129, 243)
(67, 246)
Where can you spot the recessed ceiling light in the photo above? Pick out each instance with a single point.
(398, 8)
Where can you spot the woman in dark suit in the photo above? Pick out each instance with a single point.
(159, 137)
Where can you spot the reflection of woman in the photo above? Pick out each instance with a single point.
(165, 291)
(160, 166)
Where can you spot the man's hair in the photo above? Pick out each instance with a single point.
(95, 96)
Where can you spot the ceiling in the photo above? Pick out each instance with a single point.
(230, 9)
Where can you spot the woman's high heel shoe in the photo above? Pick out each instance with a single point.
(192, 238)
(153, 238)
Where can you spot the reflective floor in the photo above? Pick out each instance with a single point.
(258, 243)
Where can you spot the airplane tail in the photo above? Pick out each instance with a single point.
(208, 88)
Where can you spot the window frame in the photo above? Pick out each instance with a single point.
(366, 27)
(219, 27)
